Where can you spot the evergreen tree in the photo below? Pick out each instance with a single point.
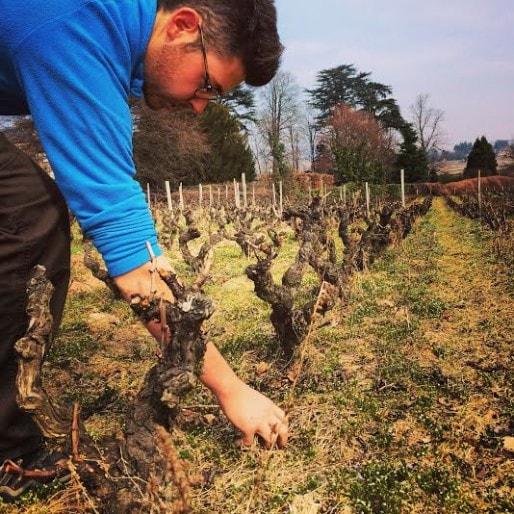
(241, 102)
(335, 86)
(481, 157)
(230, 154)
(412, 158)
(345, 85)
(432, 174)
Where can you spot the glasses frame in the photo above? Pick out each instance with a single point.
(208, 91)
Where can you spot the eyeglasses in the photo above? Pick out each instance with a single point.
(208, 91)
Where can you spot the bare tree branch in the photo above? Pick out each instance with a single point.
(427, 122)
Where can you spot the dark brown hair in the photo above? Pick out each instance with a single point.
(239, 28)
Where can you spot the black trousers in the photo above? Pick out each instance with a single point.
(34, 229)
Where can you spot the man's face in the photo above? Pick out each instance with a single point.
(174, 72)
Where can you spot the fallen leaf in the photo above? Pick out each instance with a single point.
(209, 418)
(262, 367)
(294, 371)
(304, 504)
(508, 444)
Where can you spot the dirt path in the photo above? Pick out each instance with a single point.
(432, 328)
(474, 343)
(481, 323)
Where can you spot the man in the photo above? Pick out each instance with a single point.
(73, 64)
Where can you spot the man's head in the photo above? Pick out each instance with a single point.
(240, 40)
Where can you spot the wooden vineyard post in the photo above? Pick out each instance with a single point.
(168, 195)
(367, 200)
(219, 196)
(237, 198)
(402, 186)
(226, 193)
(274, 195)
(181, 198)
(243, 184)
(344, 194)
(200, 197)
(253, 195)
(210, 197)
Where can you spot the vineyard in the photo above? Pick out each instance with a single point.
(385, 333)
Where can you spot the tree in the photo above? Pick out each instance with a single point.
(335, 86)
(481, 158)
(500, 144)
(182, 147)
(411, 157)
(169, 146)
(230, 154)
(323, 158)
(345, 85)
(427, 123)
(462, 150)
(294, 146)
(241, 102)
(279, 113)
(360, 148)
(310, 130)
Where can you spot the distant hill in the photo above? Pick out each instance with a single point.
(505, 166)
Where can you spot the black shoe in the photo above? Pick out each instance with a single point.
(37, 468)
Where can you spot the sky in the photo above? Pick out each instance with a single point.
(460, 52)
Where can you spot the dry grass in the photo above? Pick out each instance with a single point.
(402, 404)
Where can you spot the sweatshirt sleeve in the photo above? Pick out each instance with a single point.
(77, 81)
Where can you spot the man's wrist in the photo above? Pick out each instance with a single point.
(217, 375)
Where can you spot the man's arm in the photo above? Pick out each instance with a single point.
(84, 123)
(248, 410)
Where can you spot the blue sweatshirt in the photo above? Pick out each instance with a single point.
(72, 64)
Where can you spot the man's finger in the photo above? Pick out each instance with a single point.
(280, 414)
(276, 434)
(246, 440)
(283, 433)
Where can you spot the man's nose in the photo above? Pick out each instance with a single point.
(198, 104)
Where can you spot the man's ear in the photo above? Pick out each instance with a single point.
(182, 25)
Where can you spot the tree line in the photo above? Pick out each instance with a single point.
(347, 125)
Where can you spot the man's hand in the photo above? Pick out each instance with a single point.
(247, 409)
(254, 414)
(145, 281)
